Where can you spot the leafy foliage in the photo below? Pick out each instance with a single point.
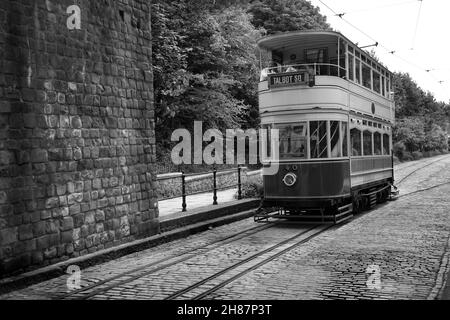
(421, 120)
(287, 15)
(206, 62)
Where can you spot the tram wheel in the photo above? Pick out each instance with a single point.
(357, 204)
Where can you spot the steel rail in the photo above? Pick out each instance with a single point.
(215, 244)
(246, 260)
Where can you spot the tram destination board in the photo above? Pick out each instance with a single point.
(287, 79)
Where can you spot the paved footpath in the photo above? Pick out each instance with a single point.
(167, 207)
(399, 250)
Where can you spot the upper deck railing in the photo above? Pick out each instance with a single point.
(311, 69)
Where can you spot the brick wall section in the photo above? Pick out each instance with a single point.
(76, 130)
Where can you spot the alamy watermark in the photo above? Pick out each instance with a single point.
(190, 149)
(374, 280)
(74, 280)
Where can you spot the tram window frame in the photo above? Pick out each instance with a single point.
(366, 75)
(383, 86)
(358, 71)
(356, 144)
(388, 87)
(367, 147)
(344, 138)
(386, 147)
(293, 155)
(351, 66)
(377, 144)
(322, 147)
(335, 140)
(376, 82)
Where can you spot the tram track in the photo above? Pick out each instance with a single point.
(253, 262)
(127, 276)
(416, 170)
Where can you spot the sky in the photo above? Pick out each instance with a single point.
(418, 32)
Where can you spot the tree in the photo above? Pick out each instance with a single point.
(287, 15)
(205, 66)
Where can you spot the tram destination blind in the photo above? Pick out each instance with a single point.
(287, 79)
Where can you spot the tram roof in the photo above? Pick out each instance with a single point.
(291, 39)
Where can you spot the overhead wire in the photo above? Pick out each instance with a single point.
(417, 25)
(378, 7)
(388, 50)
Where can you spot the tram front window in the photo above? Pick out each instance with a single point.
(334, 139)
(344, 139)
(319, 143)
(292, 140)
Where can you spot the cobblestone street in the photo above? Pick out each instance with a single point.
(399, 250)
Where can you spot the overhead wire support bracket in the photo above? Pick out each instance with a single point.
(370, 45)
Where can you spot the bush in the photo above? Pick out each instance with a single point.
(251, 190)
(396, 160)
(417, 155)
(427, 154)
(407, 156)
(435, 153)
(399, 150)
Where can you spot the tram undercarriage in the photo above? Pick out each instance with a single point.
(330, 211)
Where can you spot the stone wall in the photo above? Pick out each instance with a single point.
(76, 130)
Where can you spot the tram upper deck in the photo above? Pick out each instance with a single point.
(321, 70)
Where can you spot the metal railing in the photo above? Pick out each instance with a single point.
(214, 189)
(319, 69)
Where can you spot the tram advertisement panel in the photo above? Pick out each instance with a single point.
(287, 79)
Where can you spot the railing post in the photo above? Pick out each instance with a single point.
(239, 183)
(215, 187)
(183, 190)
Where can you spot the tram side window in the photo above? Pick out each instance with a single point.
(358, 71)
(388, 87)
(367, 143)
(344, 139)
(319, 144)
(383, 86)
(334, 139)
(377, 143)
(366, 78)
(350, 68)
(292, 140)
(376, 82)
(355, 137)
(386, 148)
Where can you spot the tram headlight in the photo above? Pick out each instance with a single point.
(290, 179)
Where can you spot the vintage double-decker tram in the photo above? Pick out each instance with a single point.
(332, 104)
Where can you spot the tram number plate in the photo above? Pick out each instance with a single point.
(287, 79)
